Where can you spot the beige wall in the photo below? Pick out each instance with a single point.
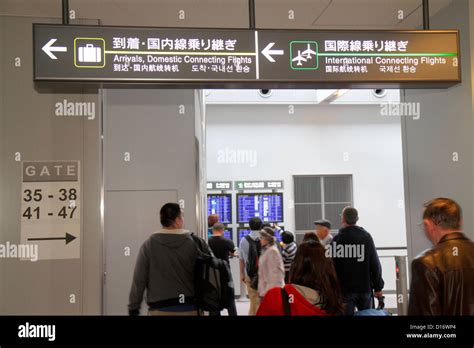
(444, 128)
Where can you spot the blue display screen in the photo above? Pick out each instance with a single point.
(220, 204)
(228, 234)
(266, 206)
(278, 234)
(242, 233)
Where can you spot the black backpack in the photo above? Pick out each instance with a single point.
(251, 266)
(213, 285)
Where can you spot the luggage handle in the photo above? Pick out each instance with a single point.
(286, 302)
(381, 301)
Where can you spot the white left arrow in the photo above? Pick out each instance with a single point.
(48, 49)
(268, 52)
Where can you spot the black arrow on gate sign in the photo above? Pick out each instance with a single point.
(69, 238)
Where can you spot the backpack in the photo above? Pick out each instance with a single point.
(251, 266)
(213, 285)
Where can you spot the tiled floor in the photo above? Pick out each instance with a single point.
(242, 307)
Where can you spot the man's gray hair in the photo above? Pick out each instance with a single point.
(218, 227)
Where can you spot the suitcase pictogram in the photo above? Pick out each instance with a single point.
(90, 54)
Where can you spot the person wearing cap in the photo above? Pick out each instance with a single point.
(271, 272)
(323, 228)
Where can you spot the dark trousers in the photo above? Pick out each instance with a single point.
(360, 300)
(287, 277)
(232, 311)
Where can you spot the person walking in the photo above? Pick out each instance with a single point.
(223, 248)
(357, 265)
(314, 288)
(442, 278)
(271, 272)
(165, 268)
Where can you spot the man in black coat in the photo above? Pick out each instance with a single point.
(356, 262)
(442, 278)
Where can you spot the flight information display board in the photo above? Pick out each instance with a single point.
(220, 204)
(229, 234)
(241, 233)
(216, 57)
(278, 234)
(266, 206)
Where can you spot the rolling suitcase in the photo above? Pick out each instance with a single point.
(374, 312)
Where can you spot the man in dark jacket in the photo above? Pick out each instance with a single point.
(356, 262)
(165, 268)
(443, 277)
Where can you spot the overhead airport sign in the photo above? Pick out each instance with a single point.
(241, 58)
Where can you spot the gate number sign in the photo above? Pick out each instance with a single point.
(51, 208)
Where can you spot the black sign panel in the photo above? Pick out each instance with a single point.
(110, 53)
(257, 185)
(246, 58)
(376, 56)
(219, 185)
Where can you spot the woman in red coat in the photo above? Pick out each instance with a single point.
(313, 289)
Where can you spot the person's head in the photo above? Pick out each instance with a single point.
(441, 216)
(171, 216)
(311, 268)
(269, 230)
(323, 228)
(266, 238)
(218, 229)
(255, 224)
(310, 236)
(212, 219)
(287, 237)
(350, 216)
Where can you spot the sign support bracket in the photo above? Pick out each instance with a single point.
(426, 14)
(65, 12)
(252, 14)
